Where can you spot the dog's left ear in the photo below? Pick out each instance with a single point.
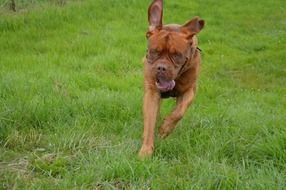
(194, 26)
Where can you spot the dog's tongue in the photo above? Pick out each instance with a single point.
(164, 85)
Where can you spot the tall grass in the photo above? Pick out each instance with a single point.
(71, 97)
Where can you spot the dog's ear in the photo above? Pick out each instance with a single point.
(194, 26)
(155, 13)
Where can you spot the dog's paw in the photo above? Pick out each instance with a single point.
(163, 132)
(145, 152)
(166, 129)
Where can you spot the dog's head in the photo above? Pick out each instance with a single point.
(170, 47)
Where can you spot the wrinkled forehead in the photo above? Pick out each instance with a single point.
(171, 41)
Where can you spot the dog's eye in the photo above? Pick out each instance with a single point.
(154, 52)
(177, 57)
(153, 55)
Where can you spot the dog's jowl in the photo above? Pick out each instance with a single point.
(171, 67)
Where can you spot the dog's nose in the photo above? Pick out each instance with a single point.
(161, 68)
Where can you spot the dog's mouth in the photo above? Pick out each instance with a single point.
(165, 85)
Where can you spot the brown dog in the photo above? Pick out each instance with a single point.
(171, 68)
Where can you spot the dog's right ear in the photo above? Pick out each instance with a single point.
(155, 13)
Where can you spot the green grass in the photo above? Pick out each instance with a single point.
(71, 96)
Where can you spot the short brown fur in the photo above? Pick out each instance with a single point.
(174, 48)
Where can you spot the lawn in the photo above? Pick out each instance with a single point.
(71, 88)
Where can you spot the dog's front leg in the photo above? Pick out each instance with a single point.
(182, 103)
(150, 108)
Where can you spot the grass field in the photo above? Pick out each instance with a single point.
(71, 97)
